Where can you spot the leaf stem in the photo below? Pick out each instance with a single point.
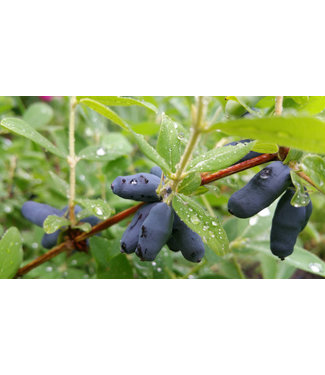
(72, 160)
(238, 267)
(196, 130)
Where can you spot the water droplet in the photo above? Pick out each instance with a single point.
(158, 269)
(205, 228)
(214, 223)
(82, 177)
(154, 264)
(7, 209)
(265, 212)
(265, 173)
(100, 152)
(315, 267)
(34, 245)
(88, 132)
(195, 219)
(253, 220)
(74, 262)
(99, 211)
(49, 269)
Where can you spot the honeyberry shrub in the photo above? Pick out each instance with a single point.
(64, 153)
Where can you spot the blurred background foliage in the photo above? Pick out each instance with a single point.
(28, 173)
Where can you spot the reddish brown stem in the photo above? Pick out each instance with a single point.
(206, 178)
(69, 245)
(44, 258)
(109, 222)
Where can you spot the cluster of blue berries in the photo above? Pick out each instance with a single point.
(262, 190)
(36, 213)
(155, 223)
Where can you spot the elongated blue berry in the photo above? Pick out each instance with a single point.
(187, 241)
(288, 221)
(263, 189)
(155, 231)
(139, 187)
(37, 212)
(130, 237)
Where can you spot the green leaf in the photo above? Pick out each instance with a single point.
(151, 153)
(11, 253)
(85, 227)
(52, 223)
(310, 104)
(97, 207)
(297, 132)
(190, 183)
(38, 115)
(118, 268)
(1, 230)
(301, 197)
(106, 112)
(293, 155)
(114, 146)
(273, 269)
(119, 101)
(110, 263)
(209, 228)
(314, 167)
(169, 144)
(21, 127)
(235, 108)
(103, 250)
(61, 185)
(265, 148)
(220, 158)
(300, 258)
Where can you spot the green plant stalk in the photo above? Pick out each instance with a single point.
(72, 160)
(278, 105)
(238, 267)
(196, 131)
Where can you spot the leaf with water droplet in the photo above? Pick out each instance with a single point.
(52, 223)
(97, 207)
(220, 158)
(169, 145)
(301, 197)
(11, 253)
(314, 167)
(22, 128)
(199, 221)
(300, 258)
(114, 146)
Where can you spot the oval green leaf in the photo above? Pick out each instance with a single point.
(209, 228)
(220, 158)
(297, 132)
(11, 253)
(22, 128)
